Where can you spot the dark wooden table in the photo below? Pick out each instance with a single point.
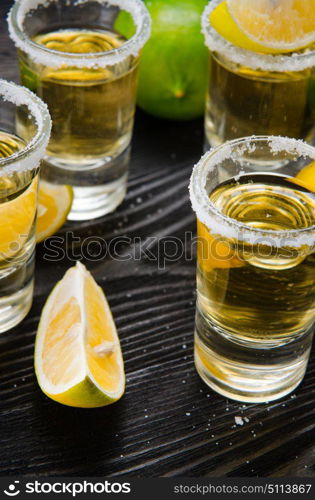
(168, 423)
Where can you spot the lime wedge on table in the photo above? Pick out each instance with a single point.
(54, 204)
(17, 219)
(78, 360)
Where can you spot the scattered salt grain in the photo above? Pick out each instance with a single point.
(239, 421)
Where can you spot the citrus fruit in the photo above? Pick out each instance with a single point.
(213, 253)
(78, 360)
(173, 66)
(17, 219)
(54, 204)
(307, 176)
(222, 21)
(284, 25)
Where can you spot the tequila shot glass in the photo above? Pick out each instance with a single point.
(255, 205)
(73, 55)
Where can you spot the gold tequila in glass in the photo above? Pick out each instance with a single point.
(71, 55)
(20, 156)
(254, 93)
(255, 267)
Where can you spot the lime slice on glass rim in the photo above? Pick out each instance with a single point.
(258, 25)
(54, 204)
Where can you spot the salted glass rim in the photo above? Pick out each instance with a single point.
(228, 227)
(29, 157)
(298, 61)
(55, 58)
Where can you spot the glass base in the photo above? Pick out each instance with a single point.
(14, 307)
(93, 202)
(253, 374)
(99, 185)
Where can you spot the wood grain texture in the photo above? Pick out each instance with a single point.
(168, 423)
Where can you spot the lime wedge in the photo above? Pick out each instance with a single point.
(78, 360)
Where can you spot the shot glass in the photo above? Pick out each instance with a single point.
(255, 205)
(72, 55)
(254, 93)
(21, 151)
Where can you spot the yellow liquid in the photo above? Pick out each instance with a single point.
(242, 102)
(10, 144)
(258, 291)
(92, 109)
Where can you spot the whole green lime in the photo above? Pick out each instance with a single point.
(173, 67)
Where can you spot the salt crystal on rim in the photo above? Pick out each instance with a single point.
(222, 225)
(54, 58)
(29, 157)
(216, 43)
